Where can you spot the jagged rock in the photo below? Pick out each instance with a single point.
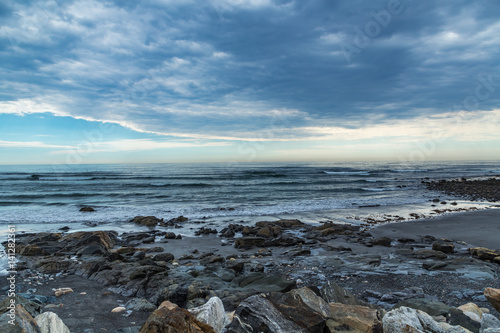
(405, 319)
(148, 221)
(212, 313)
(169, 318)
(484, 253)
(493, 296)
(354, 318)
(23, 321)
(49, 322)
(257, 311)
(443, 247)
(303, 307)
(34, 309)
(140, 305)
(333, 293)
(30, 250)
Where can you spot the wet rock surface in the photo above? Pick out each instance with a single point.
(252, 269)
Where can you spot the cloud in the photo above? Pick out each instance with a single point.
(30, 144)
(220, 69)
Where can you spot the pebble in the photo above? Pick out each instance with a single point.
(119, 309)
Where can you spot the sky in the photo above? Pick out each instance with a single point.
(159, 81)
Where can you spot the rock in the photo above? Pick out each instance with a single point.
(170, 235)
(354, 318)
(81, 238)
(333, 293)
(405, 319)
(34, 309)
(87, 209)
(257, 311)
(303, 307)
(383, 241)
(131, 329)
(140, 305)
(49, 322)
(260, 282)
(168, 257)
(484, 253)
(248, 242)
(178, 219)
(169, 318)
(30, 250)
(92, 250)
(443, 247)
(23, 321)
(472, 311)
(119, 309)
(489, 324)
(212, 313)
(493, 296)
(62, 291)
(457, 317)
(426, 254)
(148, 221)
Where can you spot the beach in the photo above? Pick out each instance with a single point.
(381, 264)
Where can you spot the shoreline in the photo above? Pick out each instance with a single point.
(478, 228)
(382, 263)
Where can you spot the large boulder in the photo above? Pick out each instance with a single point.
(49, 322)
(169, 318)
(18, 321)
(354, 318)
(489, 324)
(493, 296)
(406, 319)
(258, 312)
(299, 310)
(212, 313)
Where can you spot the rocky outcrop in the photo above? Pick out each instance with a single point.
(483, 253)
(212, 313)
(169, 318)
(49, 322)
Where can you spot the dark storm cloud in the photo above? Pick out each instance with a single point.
(224, 66)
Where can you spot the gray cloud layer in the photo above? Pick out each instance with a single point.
(224, 66)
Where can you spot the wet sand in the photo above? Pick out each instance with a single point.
(477, 228)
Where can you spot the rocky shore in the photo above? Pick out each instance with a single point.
(473, 189)
(275, 276)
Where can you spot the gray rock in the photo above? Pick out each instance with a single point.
(212, 313)
(140, 305)
(405, 319)
(489, 324)
(49, 322)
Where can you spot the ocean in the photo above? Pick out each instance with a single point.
(47, 197)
